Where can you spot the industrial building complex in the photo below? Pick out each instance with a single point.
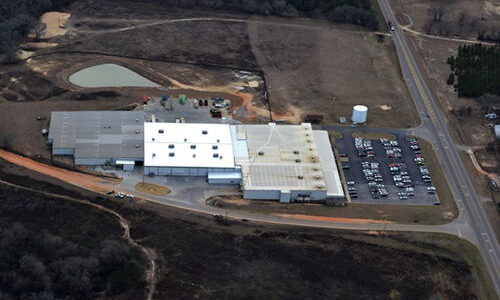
(288, 163)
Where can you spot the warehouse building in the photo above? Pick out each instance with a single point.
(288, 163)
(188, 149)
(98, 137)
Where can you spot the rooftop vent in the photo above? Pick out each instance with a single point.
(161, 131)
(261, 153)
(215, 147)
(296, 152)
(297, 160)
(307, 134)
(317, 177)
(218, 140)
(216, 155)
(137, 145)
(137, 119)
(137, 131)
(171, 146)
(204, 132)
(171, 154)
(154, 154)
(194, 155)
(185, 140)
(300, 177)
(193, 147)
(153, 139)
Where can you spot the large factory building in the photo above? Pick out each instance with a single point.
(282, 162)
(288, 163)
(98, 137)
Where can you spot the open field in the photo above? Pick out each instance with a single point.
(328, 70)
(248, 261)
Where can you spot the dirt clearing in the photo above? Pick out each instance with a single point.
(55, 24)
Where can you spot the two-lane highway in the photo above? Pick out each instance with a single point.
(434, 123)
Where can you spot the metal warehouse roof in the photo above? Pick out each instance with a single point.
(281, 158)
(98, 134)
(188, 145)
(327, 161)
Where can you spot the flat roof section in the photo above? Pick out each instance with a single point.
(98, 134)
(328, 164)
(188, 145)
(281, 157)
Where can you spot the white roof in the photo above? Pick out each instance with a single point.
(188, 145)
(328, 164)
(281, 157)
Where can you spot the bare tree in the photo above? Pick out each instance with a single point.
(437, 11)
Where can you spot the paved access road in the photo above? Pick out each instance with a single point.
(434, 128)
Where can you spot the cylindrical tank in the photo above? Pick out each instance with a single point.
(359, 113)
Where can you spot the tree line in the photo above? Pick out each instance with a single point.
(358, 12)
(38, 265)
(18, 17)
(475, 71)
(442, 22)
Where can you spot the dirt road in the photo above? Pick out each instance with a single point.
(89, 182)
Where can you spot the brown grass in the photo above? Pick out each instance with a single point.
(328, 69)
(152, 189)
(374, 135)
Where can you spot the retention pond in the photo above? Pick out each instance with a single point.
(109, 75)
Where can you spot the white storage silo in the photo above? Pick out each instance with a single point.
(359, 113)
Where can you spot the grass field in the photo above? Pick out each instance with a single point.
(152, 189)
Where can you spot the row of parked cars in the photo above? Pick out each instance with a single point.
(420, 160)
(372, 173)
(402, 180)
(364, 147)
(392, 149)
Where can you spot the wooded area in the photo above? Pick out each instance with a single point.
(51, 249)
(442, 22)
(18, 17)
(475, 70)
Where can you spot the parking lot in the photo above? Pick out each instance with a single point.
(386, 171)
